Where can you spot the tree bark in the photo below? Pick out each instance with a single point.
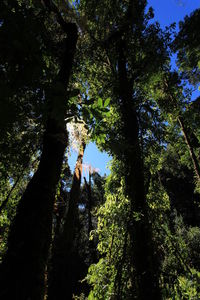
(62, 277)
(143, 258)
(22, 271)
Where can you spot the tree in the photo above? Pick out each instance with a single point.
(30, 235)
(126, 34)
(64, 269)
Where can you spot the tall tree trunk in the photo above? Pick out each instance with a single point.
(61, 278)
(89, 201)
(190, 148)
(143, 257)
(92, 246)
(22, 271)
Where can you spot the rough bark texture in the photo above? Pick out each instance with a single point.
(65, 261)
(143, 257)
(22, 271)
(190, 148)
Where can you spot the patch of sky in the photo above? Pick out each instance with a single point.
(11, 181)
(167, 12)
(173, 62)
(195, 94)
(98, 161)
(82, 207)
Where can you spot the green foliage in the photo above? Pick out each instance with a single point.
(9, 210)
(181, 274)
(111, 276)
(187, 46)
(188, 288)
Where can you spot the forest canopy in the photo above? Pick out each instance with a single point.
(75, 72)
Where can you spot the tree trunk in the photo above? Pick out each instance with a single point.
(62, 278)
(143, 258)
(89, 201)
(190, 148)
(92, 246)
(22, 271)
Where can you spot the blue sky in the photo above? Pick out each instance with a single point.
(166, 12)
(169, 11)
(93, 157)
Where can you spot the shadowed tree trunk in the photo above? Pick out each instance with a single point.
(62, 277)
(143, 257)
(22, 271)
